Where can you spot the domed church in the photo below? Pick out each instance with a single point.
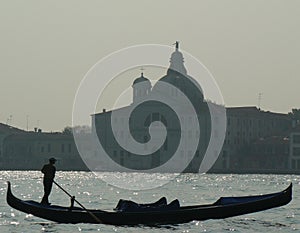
(163, 120)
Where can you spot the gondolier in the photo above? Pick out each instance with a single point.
(49, 174)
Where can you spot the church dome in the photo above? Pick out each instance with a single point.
(177, 76)
(141, 79)
(141, 88)
(186, 84)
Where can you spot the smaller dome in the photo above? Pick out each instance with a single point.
(140, 79)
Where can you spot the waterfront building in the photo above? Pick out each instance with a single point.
(24, 150)
(294, 158)
(246, 126)
(5, 130)
(256, 141)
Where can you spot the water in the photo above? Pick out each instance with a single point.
(92, 192)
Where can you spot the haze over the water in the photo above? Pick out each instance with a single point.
(47, 47)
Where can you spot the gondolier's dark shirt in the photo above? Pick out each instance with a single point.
(49, 171)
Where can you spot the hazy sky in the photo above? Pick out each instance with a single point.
(46, 47)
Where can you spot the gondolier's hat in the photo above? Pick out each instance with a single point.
(52, 160)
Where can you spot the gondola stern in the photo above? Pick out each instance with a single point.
(289, 191)
(10, 198)
(9, 194)
(8, 186)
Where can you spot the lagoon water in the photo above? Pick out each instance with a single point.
(93, 192)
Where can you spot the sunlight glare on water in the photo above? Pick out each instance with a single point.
(190, 189)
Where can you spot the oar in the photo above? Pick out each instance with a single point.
(94, 216)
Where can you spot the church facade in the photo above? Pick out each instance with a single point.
(161, 127)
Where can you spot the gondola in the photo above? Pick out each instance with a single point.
(223, 208)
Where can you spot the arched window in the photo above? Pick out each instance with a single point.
(155, 116)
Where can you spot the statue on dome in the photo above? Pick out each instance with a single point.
(176, 45)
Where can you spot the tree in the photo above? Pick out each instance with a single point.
(295, 116)
(67, 130)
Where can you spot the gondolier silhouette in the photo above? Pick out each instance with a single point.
(49, 174)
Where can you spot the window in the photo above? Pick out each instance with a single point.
(147, 121)
(181, 153)
(296, 139)
(182, 119)
(224, 163)
(49, 147)
(62, 148)
(296, 151)
(293, 164)
(155, 116)
(70, 148)
(166, 144)
(163, 120)
(145, 142)
(42, 149)
(145, 139)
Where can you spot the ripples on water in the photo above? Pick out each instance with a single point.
(190, 189)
